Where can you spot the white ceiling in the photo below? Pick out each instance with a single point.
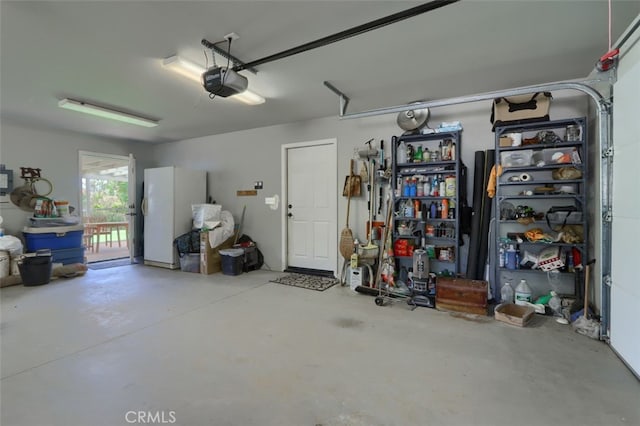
(110, 52)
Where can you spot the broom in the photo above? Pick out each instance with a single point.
(346, 236)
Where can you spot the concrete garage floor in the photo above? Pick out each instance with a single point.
(218, 350)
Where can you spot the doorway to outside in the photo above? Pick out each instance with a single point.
(309, 182)
(106, 182)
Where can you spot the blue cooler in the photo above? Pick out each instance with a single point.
(53, 238)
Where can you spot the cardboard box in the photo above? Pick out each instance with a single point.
(210, 260)
(505, 141)
(514, 314)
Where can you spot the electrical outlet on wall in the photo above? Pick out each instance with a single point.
(257, 184)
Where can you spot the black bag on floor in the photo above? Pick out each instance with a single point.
(188, 243)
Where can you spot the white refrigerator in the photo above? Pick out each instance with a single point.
(169, 193)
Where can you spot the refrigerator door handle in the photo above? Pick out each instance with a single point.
(143, 206)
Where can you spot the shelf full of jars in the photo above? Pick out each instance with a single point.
(426, 174)
(541, 195)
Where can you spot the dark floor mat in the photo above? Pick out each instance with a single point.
(306, 271)
(310, 282)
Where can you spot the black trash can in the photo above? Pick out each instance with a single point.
(232, 261)
(35, 270)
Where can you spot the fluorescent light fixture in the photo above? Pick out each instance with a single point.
(248, 97)
(184, 68)
(102, 112)
(194, 72)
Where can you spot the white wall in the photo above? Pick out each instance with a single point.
(56, 153)
(235, 160)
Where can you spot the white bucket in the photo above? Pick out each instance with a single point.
(5, 263)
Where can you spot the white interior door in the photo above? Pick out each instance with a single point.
(625, 287)
(311, 206)
(132, 215)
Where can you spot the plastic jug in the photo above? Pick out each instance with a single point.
(506, 293)
(511, 262)
(402, 153)
(523, 293)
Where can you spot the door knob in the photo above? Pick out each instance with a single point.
(290, 215)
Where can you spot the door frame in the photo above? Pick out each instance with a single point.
(333, 143)
(128, 158)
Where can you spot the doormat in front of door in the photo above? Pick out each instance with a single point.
(310, 282)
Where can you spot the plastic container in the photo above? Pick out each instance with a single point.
(190, 262)
(520, 158)
(506, 293)
(511, 261)
(523, 293)
(53, 238)
(67, 256)
(35, 270)
(232, 261)
(62, 207)
(402, 153)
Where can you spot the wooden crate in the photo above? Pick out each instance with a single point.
(461, 295)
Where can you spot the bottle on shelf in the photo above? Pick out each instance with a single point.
(439, 211)
(450, 186)
(402, 153)
(426, 155)
(443, 188)
(502, 256)
(506, 293)
(420, 190)
(511, 257)
(445, 208)
(523, 293)
(405, 188)
(408, 208)
(417, 156)
(416, 209)
(435, 186)
(413, 188)
(453, 151)
(433, 210)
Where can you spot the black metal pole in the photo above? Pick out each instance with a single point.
(360, 29)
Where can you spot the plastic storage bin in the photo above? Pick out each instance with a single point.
(36, 269)
(232, 261)
(67, 256)
(521, 158)
(190, 262)
(53, 238)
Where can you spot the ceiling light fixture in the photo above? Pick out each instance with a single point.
(194, 72)
(103, 112)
